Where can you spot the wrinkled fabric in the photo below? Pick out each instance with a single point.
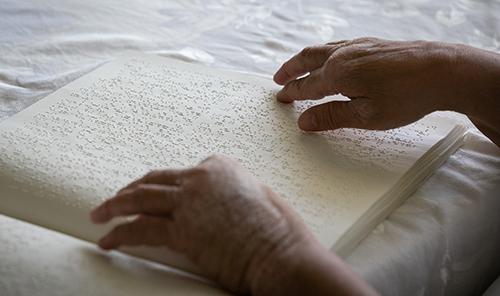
(442, 241)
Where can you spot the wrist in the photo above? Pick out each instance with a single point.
(277, 273)
(479, 85)
(474, 80)
(308, 269)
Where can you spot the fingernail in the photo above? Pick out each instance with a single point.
(308, 122)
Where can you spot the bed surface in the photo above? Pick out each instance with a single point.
(444, 240)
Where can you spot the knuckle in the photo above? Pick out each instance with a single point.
(138, 196)
(307, 52)
(201, 171)
(328, 118)
(363, 113)
(299, 89)
(339, 42)
(314, 52)
(366, 40)
(339, 72)
(151, 174)
(312, 88)
(322, 90)
(347, 114)
(215, 159)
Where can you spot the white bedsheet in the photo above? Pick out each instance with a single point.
(444, 240)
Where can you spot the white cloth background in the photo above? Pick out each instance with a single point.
(443, 240)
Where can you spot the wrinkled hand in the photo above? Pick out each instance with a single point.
(218, 214)
(390, 83)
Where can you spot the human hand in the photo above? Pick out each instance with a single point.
(390, 83)
(225, 220)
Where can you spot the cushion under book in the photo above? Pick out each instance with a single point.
(72, 150)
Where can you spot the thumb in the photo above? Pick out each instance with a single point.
(334, 115)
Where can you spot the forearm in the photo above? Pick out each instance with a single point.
(476, 88)
(311, 271)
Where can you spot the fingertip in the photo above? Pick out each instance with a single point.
(93, 217)
(277, 78)
(281, 78)
(282, 97)
(106, 243)
(308, 122)
(97, 217)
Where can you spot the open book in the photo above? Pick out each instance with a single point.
(69, 152)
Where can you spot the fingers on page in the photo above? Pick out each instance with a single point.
(313, 87)
(151, 199)
(308, 60)
(145, 230)
(331, 115)
(164, 177)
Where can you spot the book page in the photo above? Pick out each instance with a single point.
(40, 262)
(74, 149)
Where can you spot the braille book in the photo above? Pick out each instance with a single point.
(72, 150)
